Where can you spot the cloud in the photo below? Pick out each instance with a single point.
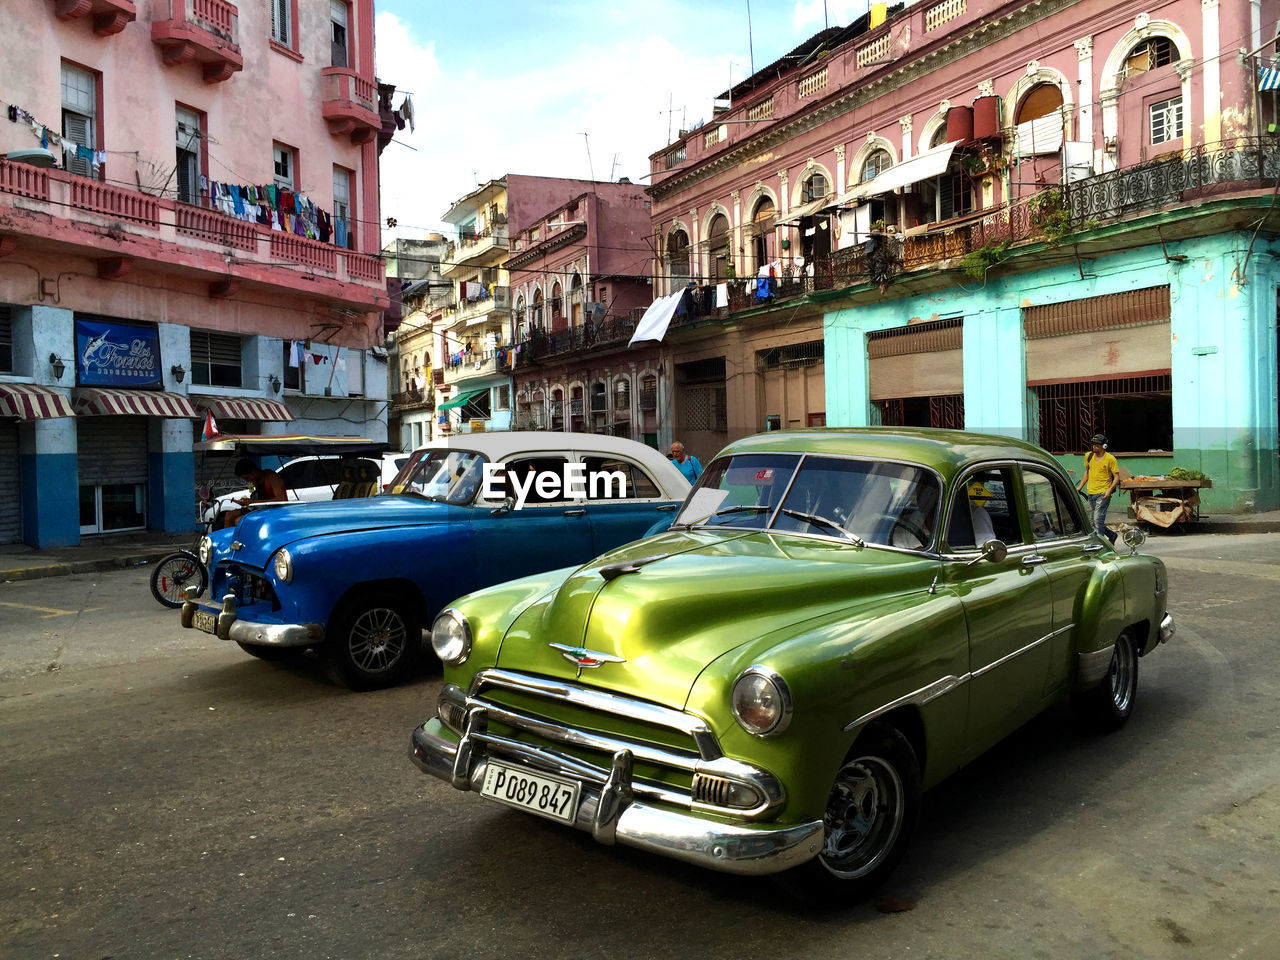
(814, 14)
(495, 117)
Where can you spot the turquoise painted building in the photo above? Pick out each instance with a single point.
(1159, 331)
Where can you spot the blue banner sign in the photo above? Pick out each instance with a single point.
(114, 353)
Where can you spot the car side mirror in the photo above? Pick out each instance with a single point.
(508, 505)
(993, 550)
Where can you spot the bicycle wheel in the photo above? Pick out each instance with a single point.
(173, 574)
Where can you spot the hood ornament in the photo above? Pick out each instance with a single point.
(237, 545)
(585, 659)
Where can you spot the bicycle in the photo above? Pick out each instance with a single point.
(174, 572)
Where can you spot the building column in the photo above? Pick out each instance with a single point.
(1084, 54)
(1212, 75)
(1224, 368)
(736, 257)
(1107, 156)
(905, 124)
(995, 372)
(840, 185)
(847, 382)
(171, 475)
(784, 195)
(50, 483)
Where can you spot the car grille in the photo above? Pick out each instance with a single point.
(584, 727)
(249, 587)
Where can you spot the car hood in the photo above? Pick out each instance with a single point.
(715, 591)
(264, 531)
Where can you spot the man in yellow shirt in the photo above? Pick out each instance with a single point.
(1102, 474)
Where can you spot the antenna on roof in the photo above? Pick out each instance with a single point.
(750, 46)
(826, 23)
(591, 169)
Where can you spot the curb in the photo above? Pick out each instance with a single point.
(1260, 526)
(66, 568)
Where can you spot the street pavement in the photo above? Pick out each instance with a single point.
(164, 795)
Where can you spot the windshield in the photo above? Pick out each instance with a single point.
(891, 504)
(449, 476)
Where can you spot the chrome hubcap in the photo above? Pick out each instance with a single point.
(378, 639)
(863, 818)
(1121, 674)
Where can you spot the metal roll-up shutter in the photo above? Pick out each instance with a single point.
(917, 360)
(112, 449)
(793, 378)
(10, 494)
(1115, 335)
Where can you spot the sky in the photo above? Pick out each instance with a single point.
(511, 86)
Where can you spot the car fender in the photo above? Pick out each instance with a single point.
(906, 652)
(1100, 617)
(432, 560)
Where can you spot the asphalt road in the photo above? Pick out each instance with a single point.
(163, 795)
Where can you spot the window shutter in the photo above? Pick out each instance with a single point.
(219, 348)
(77, 129)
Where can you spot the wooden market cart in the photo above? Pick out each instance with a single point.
(1163, 502)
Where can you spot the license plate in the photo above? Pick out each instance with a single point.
(539, 793)
(203, 620)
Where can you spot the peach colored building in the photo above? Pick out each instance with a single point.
(188, 223)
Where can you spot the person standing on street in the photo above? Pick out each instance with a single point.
(688, 465)
(1102, 474)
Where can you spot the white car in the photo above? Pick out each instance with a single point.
(318, 478)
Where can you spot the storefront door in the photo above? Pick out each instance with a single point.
(112, 455)
(10, 494)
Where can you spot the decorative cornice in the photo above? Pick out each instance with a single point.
(561, 239)
(856, 95)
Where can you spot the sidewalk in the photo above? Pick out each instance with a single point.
(20, 562)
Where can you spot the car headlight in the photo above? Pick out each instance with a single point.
(283, 566)
(206, 550)
(761, 702)
(451, 637)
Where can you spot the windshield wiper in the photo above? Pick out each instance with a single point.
(826, 522)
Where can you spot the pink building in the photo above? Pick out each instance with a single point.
(191, 186)
(578, 281)
(1024, 216)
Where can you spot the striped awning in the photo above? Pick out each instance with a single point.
(245, 408)
(116, 401)
(26, 401)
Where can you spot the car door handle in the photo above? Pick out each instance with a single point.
(667, 507)
(1033, 560)
(1094, 548)
(575, 513)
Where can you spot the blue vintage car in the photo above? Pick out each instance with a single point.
(359, 579)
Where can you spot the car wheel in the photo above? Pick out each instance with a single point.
(870, 817)
(373, 641)
(271, 653)
(1107, 706)
(173, 574)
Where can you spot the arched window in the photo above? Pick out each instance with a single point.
(535, 314)
(557, 307)
(575, 300)
(678, 253)
(622, 396)
(815, 188)
(939, 136)
(762, 226)
(874, 165)
(521, 329)
(1040, 101)
(718, 244)
(1149, 54)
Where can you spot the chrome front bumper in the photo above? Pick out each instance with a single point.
(611, 814)
(224, 622)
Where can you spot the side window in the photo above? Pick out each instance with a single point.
(537, 466)
(981, 510)
(299, 474)
(638, 483)
(1048, 507)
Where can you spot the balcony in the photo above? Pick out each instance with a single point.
(107, 16)
(980, 241)
(478, 364)
(484, 249)
(494, 307)
(609, 333)
(349, 104)
(79, 212)
(413, 399)
(199, 31)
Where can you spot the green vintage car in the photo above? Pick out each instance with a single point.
(836, 621)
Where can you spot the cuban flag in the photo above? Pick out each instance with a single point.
(1269, 78)
(210, 426)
